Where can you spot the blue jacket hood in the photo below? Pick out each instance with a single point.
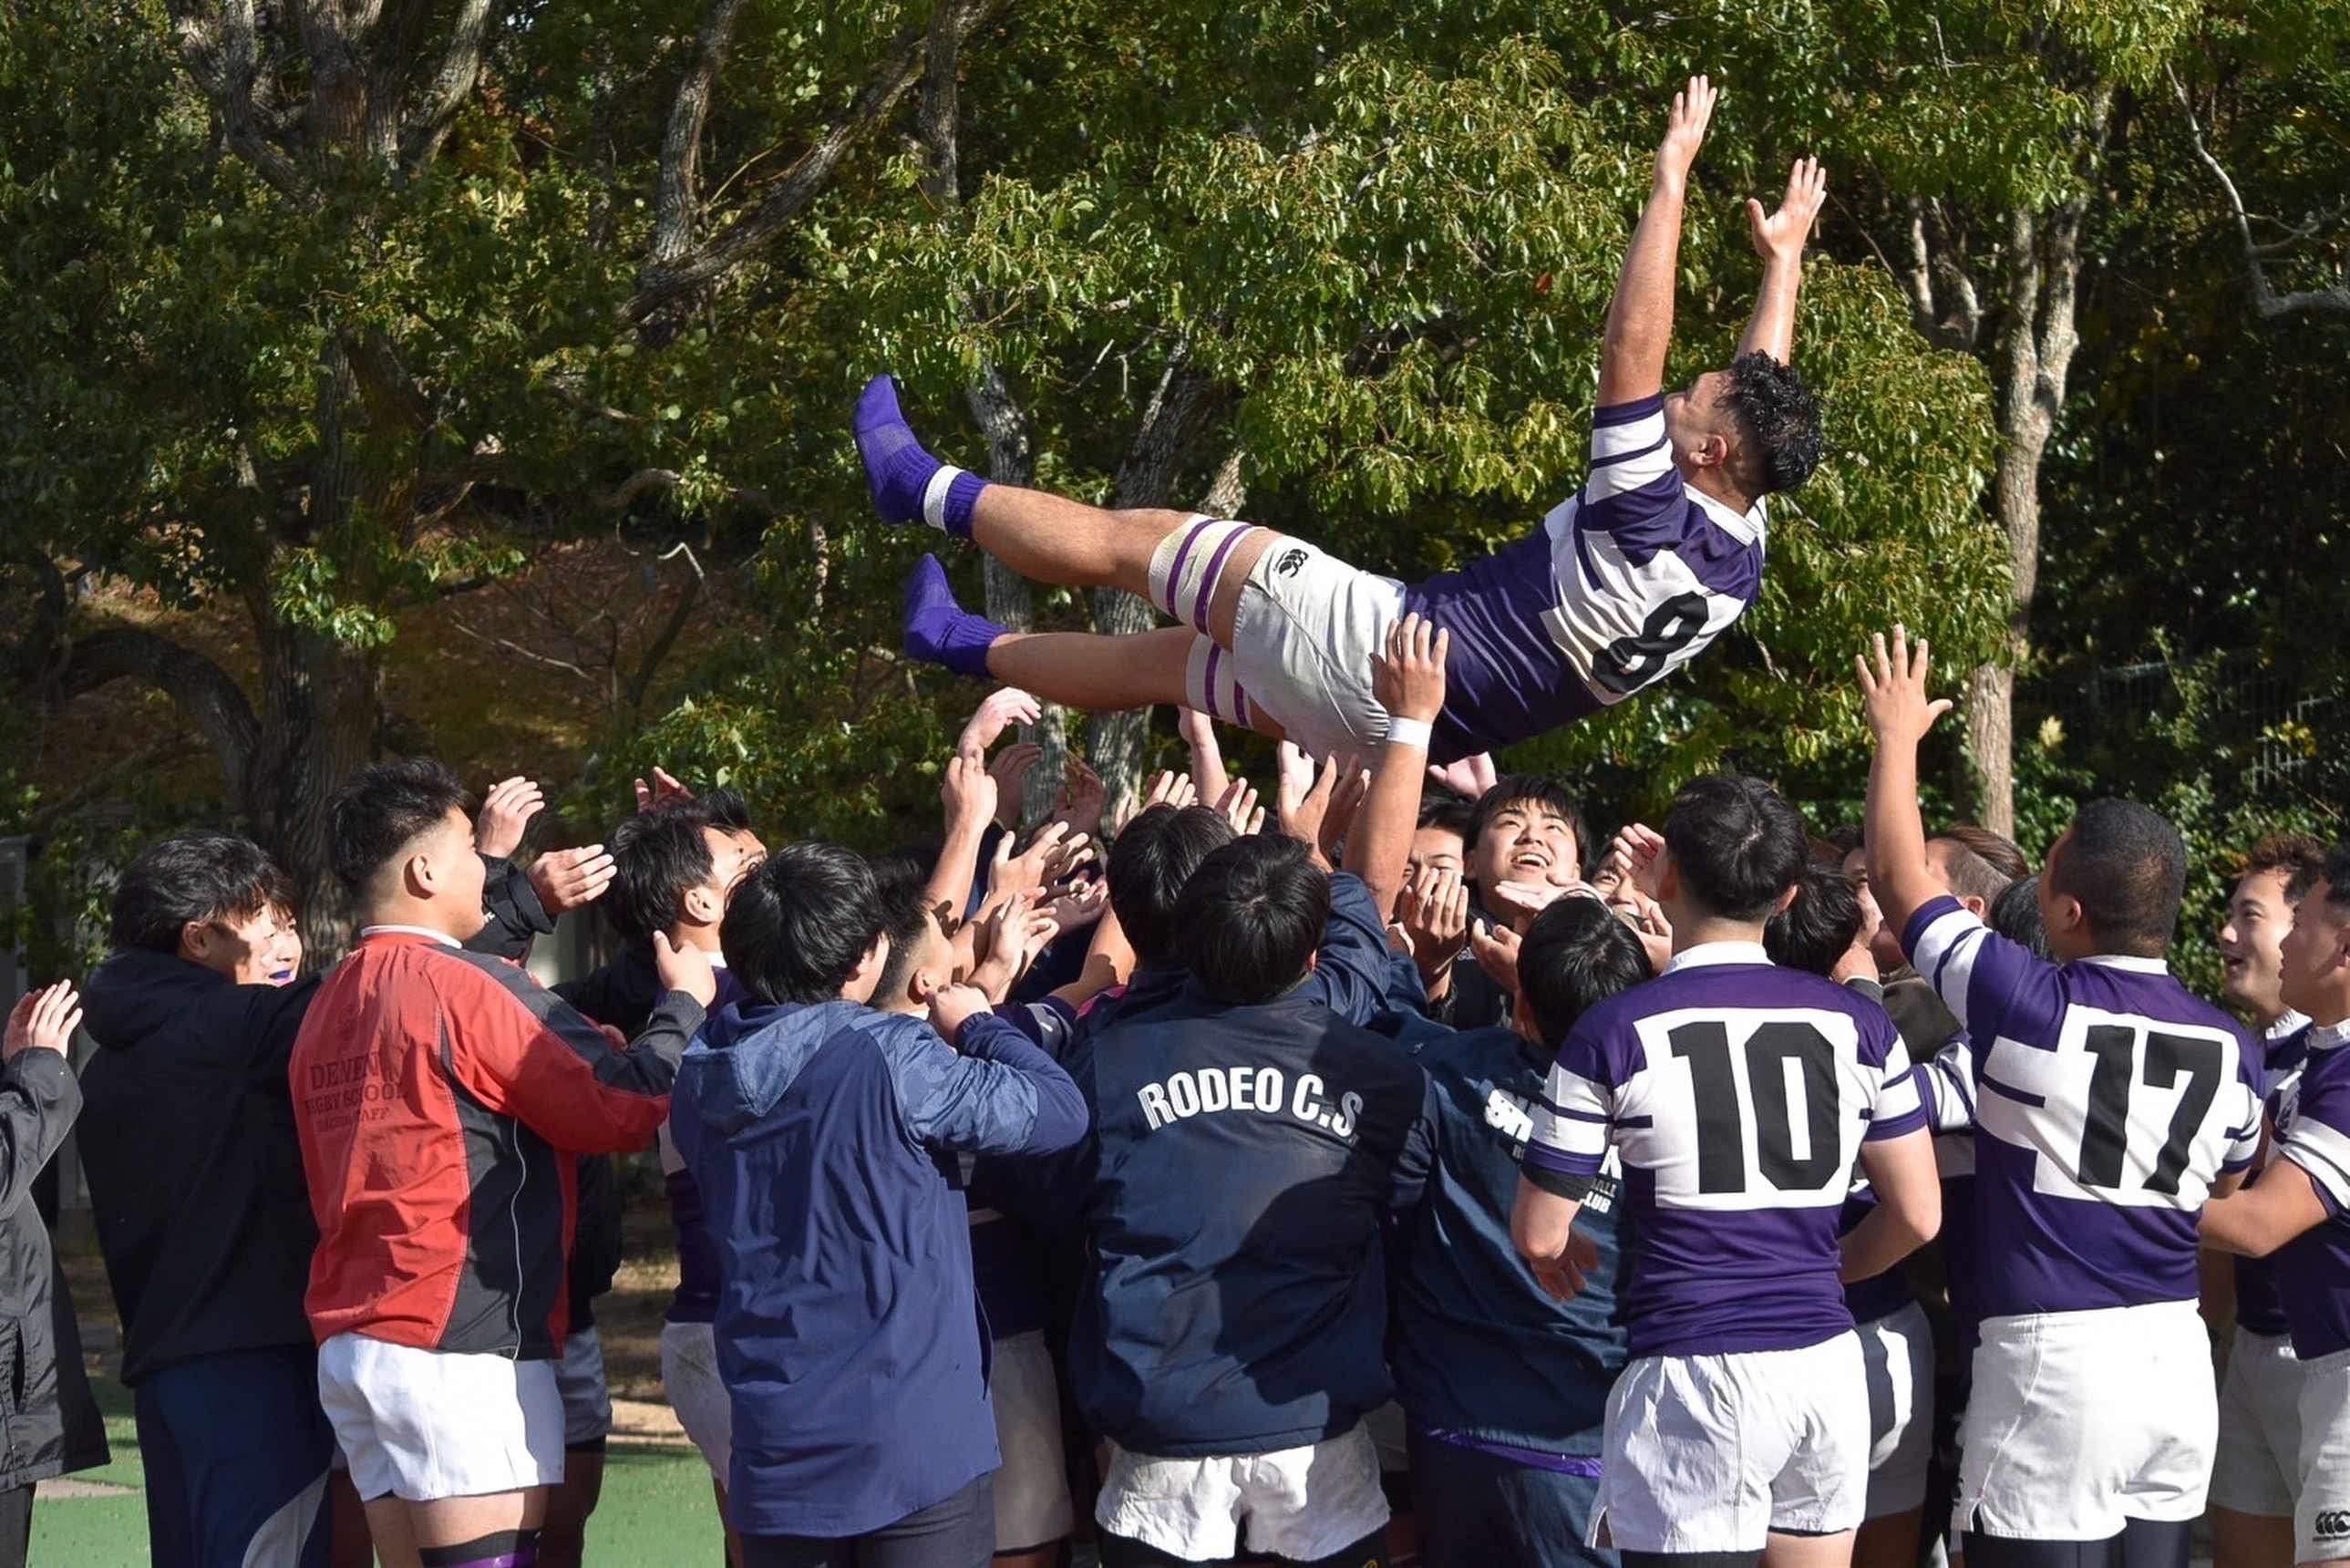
(749, 1054)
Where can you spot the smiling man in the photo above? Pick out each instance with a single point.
(1626, 580)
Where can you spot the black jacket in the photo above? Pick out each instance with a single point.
(194, 1170)
(623, 994)
(39, 1098)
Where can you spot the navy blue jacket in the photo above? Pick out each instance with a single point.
(822, 1139)
(1480, 1350)
(1245, 1161)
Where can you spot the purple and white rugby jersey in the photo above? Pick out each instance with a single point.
(2259, 1303)
(1738, 1095)
(2312, 1129)
(2107, 1100)
(1624, 583)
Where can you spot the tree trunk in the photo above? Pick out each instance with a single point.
(321, 706)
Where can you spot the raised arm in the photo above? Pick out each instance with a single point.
(1893, 691)
(1779, 240)
(1641, 320)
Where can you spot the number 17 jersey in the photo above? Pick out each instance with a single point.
(1738, 1095)
(2108, 1101)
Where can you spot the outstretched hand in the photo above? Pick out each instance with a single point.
(1685, 129)
(1893, 690)
(1780, 236)
(42, 1020)
(506, 814)
(1408, 675)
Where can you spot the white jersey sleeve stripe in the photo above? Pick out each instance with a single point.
(1570, 1122)
(2324, 1154)
(1946, 957)
(1633, 470)
(1610, 442)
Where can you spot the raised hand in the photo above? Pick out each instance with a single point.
(1239, 807)
(506, 810)
(1470, 777)
(1685, 125)
(1172, 789)
(1013, 937)
(1010, 772)
(1434, 916)
(1780, 236)
(1638, 856)
(42, 1020)
(660, 791)
(1083, 798)
(952, 1006)
(969, 792)
(1496, 950)
(1053, 855)
(1079, 906)
(997, 711)
(1893, 690)
(568, 880)
(1407, 676)
(685, 969)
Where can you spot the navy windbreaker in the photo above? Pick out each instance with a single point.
(822, 1139)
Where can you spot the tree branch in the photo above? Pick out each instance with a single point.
(452, 84)
(223, 54)
(639, 685)
(645, 479)
(2267, 303)
(680, 155)
(207, 693)
(660, 285)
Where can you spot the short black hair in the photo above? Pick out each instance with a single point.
(899, 884)
(1575, 955)
(660, 854)
(1780, 418)
(798, 926)
(381, 808)
(1250, 917)
(2336, 875)
(1545, 790)
(194, 876)
(1737, 843)
(1449, 813)
(2126, 866)
(1154, 856)
(2016, 915)
(2296, 857)
(1817, 930)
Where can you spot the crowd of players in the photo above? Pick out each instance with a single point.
(1392, 1172)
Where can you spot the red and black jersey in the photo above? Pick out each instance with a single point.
(440, 1096)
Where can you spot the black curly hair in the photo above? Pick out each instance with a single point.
(1780, 418)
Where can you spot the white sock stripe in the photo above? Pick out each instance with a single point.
(934, 495)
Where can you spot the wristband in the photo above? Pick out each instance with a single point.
(1410, 732)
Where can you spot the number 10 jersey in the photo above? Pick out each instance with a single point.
(1738, 1095)
(2108, 1101)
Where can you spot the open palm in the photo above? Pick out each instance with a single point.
(1783, 233)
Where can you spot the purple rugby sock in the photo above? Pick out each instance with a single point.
(941, 632)
(908, 485)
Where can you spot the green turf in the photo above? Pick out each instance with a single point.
(656, 1508)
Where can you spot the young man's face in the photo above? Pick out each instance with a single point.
(2251, 941)
(732, 857)
(2311, 974)
(1526, 841)
(1698, 413)
(458, 874)
(253, 949)
(1437, 849)
(933, 967)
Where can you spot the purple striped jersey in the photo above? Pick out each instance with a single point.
(1626, 580)
(1738, 1095)
(2312, 1129)
(2108, 1101)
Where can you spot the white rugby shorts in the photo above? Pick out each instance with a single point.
(1713, 1453)
(422, 1425)
(1303, 1503)
(587, 1397)
(2258, 1469)
(1304, 635)
(1032, 1490)
(2080, 1421)
(2320, 1515)
(1897, 1351)
(689, 1363)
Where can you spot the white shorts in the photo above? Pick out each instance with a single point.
(1713, 1453)
(1304, 636)
(2320, 1514)
(421, 1425)
(1302, 1504)
(1898, 1353)
(587, 1397)
(1032, 1490)
(2083, 1420)
(688, 1361)
(2257, 1468)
